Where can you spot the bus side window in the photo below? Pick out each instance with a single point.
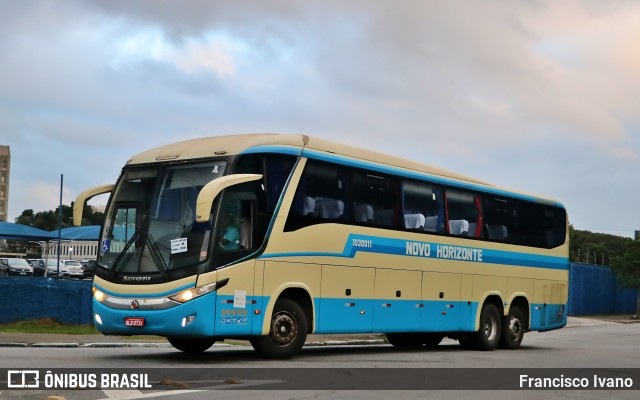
(464, 213)
(320, 196)
(373, 198)
(422, 207)
(500, 218)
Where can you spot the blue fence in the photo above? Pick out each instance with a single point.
(25, 298)
(596, 290)
(592, 290)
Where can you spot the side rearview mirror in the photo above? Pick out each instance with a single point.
(82, 198)
(212, 189)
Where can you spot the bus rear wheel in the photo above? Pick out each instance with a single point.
(488, 337)
(513, 328)
(287, 334)
(191, 346)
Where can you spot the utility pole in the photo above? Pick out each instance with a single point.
(59, 226)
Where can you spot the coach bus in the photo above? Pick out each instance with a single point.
(273, 237)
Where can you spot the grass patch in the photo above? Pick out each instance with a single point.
(47, 325)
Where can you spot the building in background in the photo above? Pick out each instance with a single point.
(74, 250)
(5, 168)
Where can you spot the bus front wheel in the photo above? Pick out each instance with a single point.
(191, 345)
(287, 334)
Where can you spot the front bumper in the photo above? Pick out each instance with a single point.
(176, 321)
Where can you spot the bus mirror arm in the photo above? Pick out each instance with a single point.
(212, 189)
(82, 198)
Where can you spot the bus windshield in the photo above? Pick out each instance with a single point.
(150, 227)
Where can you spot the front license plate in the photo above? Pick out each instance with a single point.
(137, 322)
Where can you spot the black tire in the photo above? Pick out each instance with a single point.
(287, 334)
(513, 328)
(487, 337)
(191, 346)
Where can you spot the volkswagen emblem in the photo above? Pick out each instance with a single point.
(135, 305)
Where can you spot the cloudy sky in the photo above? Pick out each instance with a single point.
(542, 96)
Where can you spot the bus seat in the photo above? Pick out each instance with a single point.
(329, 208)
(458, 226)
(363, 212)
(308, 206)
(431, 224)
(472, 229)
(414, 221)
(497, 232)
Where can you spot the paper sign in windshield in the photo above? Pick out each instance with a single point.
(178, 245)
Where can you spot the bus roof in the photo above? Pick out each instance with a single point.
(238, 144)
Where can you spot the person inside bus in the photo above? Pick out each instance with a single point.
(231, 236)
(245, 225)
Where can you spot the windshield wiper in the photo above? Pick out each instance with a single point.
(156, 255)
(125, 252)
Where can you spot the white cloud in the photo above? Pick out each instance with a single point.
(540, 96)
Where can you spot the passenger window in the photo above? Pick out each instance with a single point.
(373, 199)
(523, 223)
(320, 196)
(422, 207)
(501, 219)
(464, 213)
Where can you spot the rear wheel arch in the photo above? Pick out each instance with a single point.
(521, 302)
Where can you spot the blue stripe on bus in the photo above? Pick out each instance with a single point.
(343, 160)
(412, 248)
(146, 295)
(289, 150)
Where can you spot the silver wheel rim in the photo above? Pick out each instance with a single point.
(490, 325)
(283, 328)
(515, 329)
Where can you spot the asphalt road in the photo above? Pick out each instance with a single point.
(366, 371)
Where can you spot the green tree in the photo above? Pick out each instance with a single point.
(595, 248)
(629, 269)
(26, 218)
(48, 220)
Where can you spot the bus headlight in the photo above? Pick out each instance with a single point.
(191, 294)
(98, 294)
